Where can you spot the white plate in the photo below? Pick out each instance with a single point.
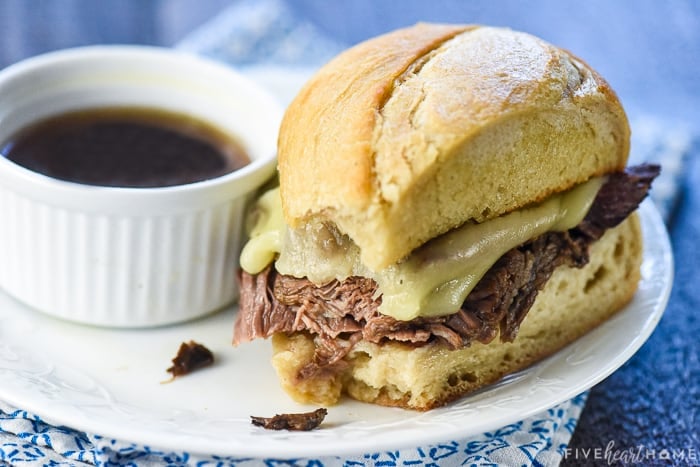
(109, 382)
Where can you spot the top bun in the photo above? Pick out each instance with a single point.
(408, 135)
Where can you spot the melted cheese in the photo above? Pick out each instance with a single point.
(266, 235)
(436, 278)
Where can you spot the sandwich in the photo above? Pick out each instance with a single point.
(453, 205)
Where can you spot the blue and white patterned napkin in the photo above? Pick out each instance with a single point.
(25, 439)
(268, 41)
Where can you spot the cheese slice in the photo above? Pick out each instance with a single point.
(436, 278)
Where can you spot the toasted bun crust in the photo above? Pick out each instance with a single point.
(573, 302)
(413, 133)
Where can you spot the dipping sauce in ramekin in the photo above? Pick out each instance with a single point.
(137, 147)
(158, 242)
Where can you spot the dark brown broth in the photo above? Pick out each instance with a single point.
(126, 147)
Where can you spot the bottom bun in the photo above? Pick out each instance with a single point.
(573, 302)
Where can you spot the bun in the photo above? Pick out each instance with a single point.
(573, 302)
(413, 133)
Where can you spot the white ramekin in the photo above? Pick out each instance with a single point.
(128, 257)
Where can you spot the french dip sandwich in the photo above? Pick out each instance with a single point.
(453, 206)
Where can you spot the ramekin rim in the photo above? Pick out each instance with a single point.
(261, 166)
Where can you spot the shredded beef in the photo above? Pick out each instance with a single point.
(190, 356)
(306, 421)
(340, 313)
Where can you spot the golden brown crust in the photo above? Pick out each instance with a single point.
(327, 131)
(446, 124)
(573, 302)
